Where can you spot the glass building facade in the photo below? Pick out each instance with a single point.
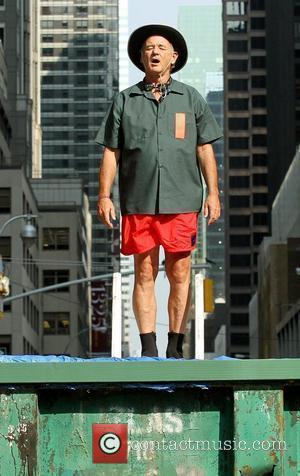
(79, 77)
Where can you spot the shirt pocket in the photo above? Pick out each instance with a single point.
(182, 126)
(136, 128)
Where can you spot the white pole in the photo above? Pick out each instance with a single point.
(116, 325)
(199, 316)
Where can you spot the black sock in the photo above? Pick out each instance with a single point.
(148, 341)
(172, 345)
(179, 344)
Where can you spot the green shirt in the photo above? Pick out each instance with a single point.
(158, 168)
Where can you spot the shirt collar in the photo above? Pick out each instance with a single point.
(175, 87)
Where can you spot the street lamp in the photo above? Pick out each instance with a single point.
(28, 234)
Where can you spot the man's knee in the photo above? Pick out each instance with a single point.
(146, 269)
(178, 270)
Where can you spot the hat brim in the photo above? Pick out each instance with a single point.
(139, 36)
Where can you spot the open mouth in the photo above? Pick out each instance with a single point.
(155, 61)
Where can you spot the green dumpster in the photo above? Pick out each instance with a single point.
(150, 417)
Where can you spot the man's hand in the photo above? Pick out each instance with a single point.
(212, 208)
(106, 211)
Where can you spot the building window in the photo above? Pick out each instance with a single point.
(260, 219)
(47, 38)
(259, 120)
(239, 201)
(259, 160)
(240, 299)
(258, 81)
(260, 199)
(238, 123)
(238, 84)
(52, 276)
(240, 280)
(236, 8)
(258, 43)
(259, 101)
(240, 319)
(236, 26)
(80, 66)
(81, 25)
(260, 180)
(5, 200)
(81, 80)
(81, 39)
(258, 62)
(82, 53)
(240, 181)
(55, 238)
(238, 143)
(5, 247)
(238, 104)
(234, 46)
(240, 261)
(257, 4)
(46, 11)
(239, 162)
(258, 23)
(47, 24)
(240, 241)
(81, 94)
(81, 11)
(47, 51)
(56, 323)
(259, 140)
(237, 65)
(239, 221)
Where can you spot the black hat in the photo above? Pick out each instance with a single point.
(139, 36)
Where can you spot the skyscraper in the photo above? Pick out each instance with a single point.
(79, 77)
(261, 48)
(246, 159)
(19, 34)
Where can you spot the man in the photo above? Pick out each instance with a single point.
(159, 133)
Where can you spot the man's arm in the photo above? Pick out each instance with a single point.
(107, 174)
(207, 161)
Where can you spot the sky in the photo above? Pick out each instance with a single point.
(143, 12)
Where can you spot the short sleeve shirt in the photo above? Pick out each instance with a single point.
(158, 168)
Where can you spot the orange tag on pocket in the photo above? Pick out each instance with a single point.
(179, 125)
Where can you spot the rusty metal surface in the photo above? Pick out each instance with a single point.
(49, 431)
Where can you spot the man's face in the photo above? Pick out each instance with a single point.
(158, 55)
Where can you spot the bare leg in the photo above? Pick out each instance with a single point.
(178, 268)
(186, 311)
(143, 299)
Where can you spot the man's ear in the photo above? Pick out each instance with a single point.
(175, 57)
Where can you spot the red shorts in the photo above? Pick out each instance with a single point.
(175, 232)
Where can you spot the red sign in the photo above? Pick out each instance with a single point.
(110, 443)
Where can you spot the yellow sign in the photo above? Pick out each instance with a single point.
(209, 302)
